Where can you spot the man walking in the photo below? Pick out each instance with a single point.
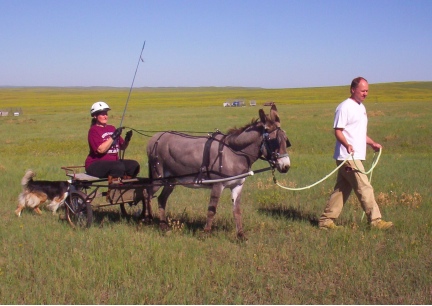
(350, 127)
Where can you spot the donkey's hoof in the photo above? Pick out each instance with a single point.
(163, 225)
(241, 236)
(204, 234)
(146, 220)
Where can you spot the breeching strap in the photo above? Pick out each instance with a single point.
(374, 163)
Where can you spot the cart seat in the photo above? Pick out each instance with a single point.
(74, 173)
(84, 177)
(77, 173)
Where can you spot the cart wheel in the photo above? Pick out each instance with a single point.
(134, 207)
(79, 213)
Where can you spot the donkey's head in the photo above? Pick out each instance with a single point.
(275, 141)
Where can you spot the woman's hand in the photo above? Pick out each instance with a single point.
(117, 133)
(128, 136)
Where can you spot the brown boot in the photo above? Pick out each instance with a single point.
(112, 181)
(381, 224)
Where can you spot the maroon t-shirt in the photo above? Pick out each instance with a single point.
(96, 136)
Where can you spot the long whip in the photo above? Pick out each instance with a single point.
(130, 90)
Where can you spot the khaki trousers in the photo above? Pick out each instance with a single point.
(349, 179)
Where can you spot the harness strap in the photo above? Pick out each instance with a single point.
(156, 159)
(206, 155)
(265, 145)
(220, 151)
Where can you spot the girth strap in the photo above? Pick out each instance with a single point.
(206, 155)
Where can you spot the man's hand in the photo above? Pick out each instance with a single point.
(376, 146)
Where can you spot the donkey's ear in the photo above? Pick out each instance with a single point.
(262, 116)
(274, 114)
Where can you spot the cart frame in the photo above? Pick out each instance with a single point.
(84, 189)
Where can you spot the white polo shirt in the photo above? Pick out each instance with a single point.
(352, 118)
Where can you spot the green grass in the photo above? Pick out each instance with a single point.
(46, 100)
(286, 260)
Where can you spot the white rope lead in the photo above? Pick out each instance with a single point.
(374, 163)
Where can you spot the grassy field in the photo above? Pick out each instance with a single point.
(286, 260)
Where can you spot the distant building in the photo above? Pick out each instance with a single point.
(10, 111)
(238, 103)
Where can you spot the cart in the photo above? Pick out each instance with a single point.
(88, 193)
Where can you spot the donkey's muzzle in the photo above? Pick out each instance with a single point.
(283, 164)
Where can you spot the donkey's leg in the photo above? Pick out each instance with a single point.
(214, 200)
(162, 200)
(236, 197)
(145, 197)
(147, 204)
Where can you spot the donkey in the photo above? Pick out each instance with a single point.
(180, 159)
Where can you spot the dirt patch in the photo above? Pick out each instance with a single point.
(391, 199)
(391, 137)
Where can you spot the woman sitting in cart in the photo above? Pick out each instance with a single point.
(105, 144)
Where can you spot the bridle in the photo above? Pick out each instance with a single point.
(270, 146)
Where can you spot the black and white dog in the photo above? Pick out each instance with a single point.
(35, 193)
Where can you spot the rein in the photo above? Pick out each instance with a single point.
(270, 158)
(143, 132)
(374, 163)
(265, 145)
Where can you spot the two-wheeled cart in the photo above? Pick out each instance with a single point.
(88, 193)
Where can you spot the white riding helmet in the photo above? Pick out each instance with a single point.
(99, 107)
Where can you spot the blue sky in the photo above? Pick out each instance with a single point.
(250, 43)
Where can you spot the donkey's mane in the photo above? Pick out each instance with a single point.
(237, 131)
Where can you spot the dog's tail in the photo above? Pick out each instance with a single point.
(27, 177)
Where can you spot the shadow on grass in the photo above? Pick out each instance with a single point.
(194, 226)
(290, 213)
